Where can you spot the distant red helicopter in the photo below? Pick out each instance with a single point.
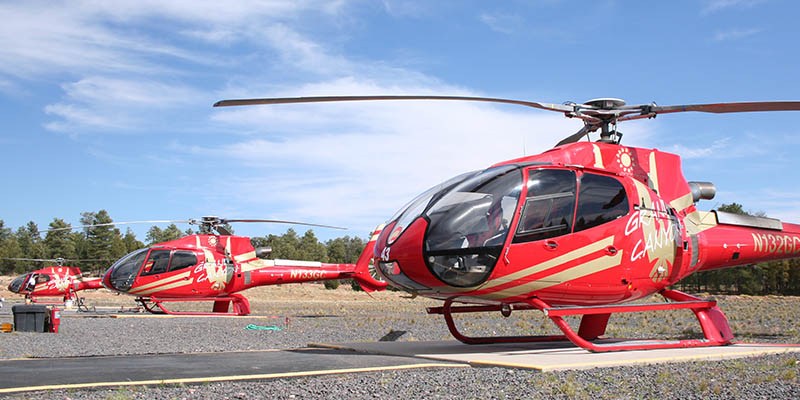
(215, 265)
(59, 280)
(580, 229)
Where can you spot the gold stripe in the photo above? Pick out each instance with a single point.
(654, 171)
(699, 221)
(165, 280)
(376, 232)
(245, 256)
(643, 194)
(554, 262)
(255, 264)
(598, 157)
(160, 288)
(598, 264)
(682, 202)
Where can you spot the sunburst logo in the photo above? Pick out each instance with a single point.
(212, 240)
(625, 160)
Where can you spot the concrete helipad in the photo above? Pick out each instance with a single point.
(555, 356)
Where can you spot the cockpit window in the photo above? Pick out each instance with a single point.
(182, 259)
(548, 209)
(124, 272)
(411, 211)
(601, 199)
(469, 225)
(157, 262)
(549, 205)
(16, 284)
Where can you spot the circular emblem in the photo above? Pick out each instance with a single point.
(624, 160)
(212, 240)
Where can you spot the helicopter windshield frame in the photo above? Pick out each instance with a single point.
(123, 273)
(469, 225)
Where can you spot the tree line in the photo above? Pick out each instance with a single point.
(96, 246)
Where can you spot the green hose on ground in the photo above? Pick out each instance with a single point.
(254, 327)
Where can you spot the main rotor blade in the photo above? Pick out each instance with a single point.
(278, 221)
(718, 108)
(321, 99)
(156, 221)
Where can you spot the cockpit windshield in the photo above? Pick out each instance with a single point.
(411, 211)
(124, 272)
(469, 225)
(16, 285)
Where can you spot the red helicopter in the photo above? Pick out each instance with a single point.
(59, 280)
(580, 229)
(215, 265)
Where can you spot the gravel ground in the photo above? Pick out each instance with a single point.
(315, 315)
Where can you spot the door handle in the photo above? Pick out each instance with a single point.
(550, 244)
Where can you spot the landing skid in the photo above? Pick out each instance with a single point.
(222, 305)
(593, 324)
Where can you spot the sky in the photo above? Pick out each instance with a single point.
(108, 105)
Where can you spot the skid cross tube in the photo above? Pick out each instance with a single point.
(593, 324)
(241, 306)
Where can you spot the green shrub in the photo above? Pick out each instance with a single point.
(332, 284)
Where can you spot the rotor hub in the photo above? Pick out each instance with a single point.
(606, 103)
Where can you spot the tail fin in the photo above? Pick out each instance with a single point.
(364, 274)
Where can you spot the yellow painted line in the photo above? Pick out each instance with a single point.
(330, 346)
(230, 378)
(507, 365)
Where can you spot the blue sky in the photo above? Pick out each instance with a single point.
(107, 105)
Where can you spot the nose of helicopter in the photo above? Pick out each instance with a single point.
(452, 235)
(120, 276)
(401, 263)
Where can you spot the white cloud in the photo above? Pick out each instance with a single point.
(303, 53)
(373, 156)
(503, 23)
(42, 37)
(735, 34)
(719, 5)
(719, 148)
(406, 8)
(115, 104)
(347, 164)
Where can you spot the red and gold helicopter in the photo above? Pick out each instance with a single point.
(578, 230)
(54, 281)
(215, 265)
